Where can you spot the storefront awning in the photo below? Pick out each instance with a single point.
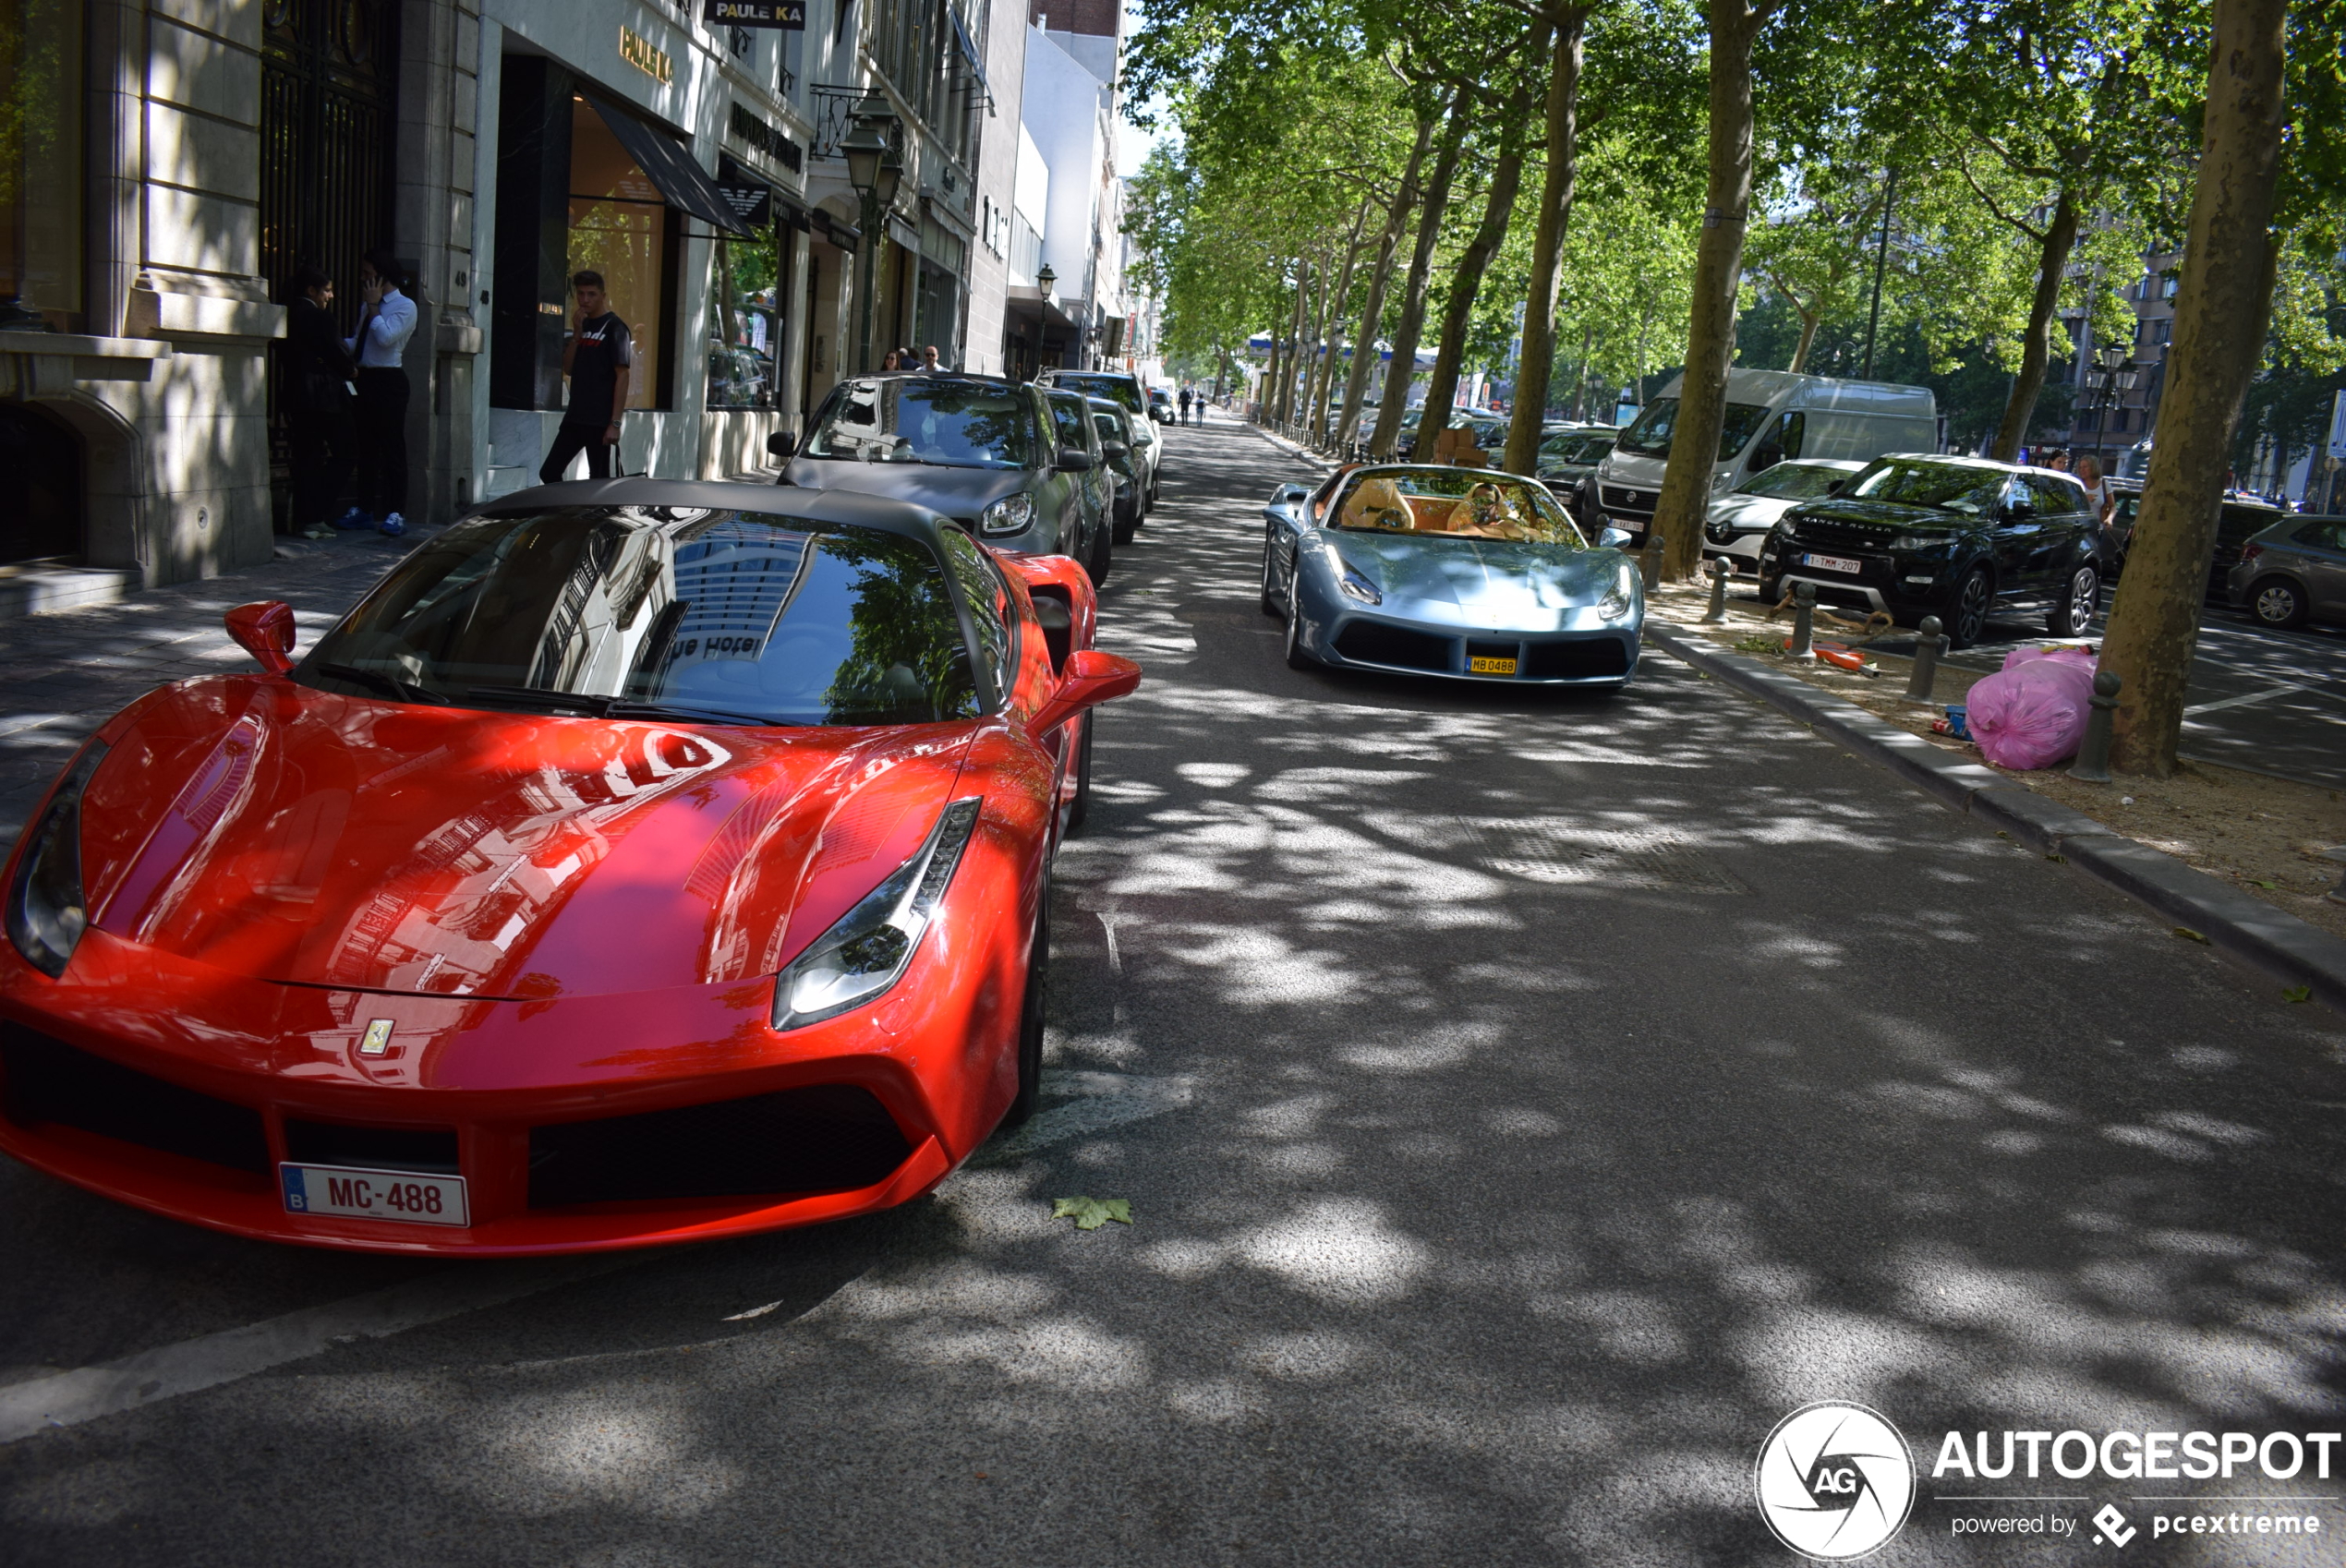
(969, 52)
(670, 168)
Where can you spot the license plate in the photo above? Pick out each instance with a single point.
(1833, 563)
(410, 1196)
(1490, 667)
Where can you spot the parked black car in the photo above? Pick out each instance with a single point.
(2238, 520)
(1124, 387)
(996, 456)
(2293, 572)
(1950, 536)
(1115, 425)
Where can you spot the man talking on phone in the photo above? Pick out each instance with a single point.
(599, 361)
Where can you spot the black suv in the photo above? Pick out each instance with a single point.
(998, 457)
(1950, 536)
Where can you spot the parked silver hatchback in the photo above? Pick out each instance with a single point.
(2292, 573)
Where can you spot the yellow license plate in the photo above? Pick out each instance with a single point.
(1491, 667)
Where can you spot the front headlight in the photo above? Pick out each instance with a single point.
(1620, 600)
(870, 946)
(1012, 514)
(1919, 542)
(46, 914)
(1354, 584)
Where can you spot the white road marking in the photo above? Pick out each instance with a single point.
(1115, 959)
(66, 1399)
(2239, 702)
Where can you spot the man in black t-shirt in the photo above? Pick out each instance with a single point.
(600, 362)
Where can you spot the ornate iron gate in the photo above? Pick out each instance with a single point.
(328, 86)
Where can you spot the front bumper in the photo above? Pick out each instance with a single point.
(1395, 646)
(1882, 582)
(579, 1124)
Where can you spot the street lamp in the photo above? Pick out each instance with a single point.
(875, 172)
(2112, 377)
(1044, 280)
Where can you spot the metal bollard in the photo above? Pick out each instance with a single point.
(1650, 560)
(1804, 620)
(2093, 755)
(1930, 641)
(1718, 610)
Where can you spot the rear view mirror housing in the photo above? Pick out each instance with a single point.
(264, 630)
(1613, 539)
(781, 445)
(1114, 449)
(1090, 678)
(1077, 462)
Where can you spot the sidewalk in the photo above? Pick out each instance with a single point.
(66, 672)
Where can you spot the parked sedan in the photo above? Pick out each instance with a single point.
(986, 452)
(1950, 537)
(640, 862)
(2292, 573)
(1740, 519)
(1123, 387)
(1116, 426)
(1456, 573)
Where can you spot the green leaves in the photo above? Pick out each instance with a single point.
(1090, 1214)
(2298, 993)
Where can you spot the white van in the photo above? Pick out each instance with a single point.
(1772, 415)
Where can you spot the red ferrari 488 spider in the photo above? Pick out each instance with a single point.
(641, 861)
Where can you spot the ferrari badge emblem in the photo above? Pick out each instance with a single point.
(376, 1039)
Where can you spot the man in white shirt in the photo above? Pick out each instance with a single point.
(381, 414)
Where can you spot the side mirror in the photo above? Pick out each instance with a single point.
(1114, 449)
(1090, 678)
(781, 445)
(1613, 539)
(1833, 487)
(265, 631)
(1077, 462)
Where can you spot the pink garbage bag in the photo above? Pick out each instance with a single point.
(2032, 713)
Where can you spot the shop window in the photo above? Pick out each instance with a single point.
(745, 324)
(618, 227)
(41, 109)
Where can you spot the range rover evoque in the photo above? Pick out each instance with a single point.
(1957, 538)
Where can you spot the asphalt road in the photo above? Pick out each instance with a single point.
(1524, 1102)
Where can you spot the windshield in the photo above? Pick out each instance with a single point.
(1575, 446)
(946, 423)
(1123, 389)
(752, 618)
(1939, 484)
(1649, 436)
(1792, 481)
(1474, 502)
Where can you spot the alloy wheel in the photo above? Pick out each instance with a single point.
(2277, 604)
(1971, 609)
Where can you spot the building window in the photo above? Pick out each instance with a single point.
(618, 227)
(745, 323)
(40, 108)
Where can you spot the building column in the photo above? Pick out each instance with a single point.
(432, 219)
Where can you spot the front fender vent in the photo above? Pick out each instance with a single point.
(830, 1138)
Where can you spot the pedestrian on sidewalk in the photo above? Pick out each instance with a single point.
(318, 381)
(380, 415)
(600, 362)
(931, 365)
(1185, 406)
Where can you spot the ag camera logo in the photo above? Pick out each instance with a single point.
(1834, 1480)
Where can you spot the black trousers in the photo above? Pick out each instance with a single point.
(322, 437)
(382, 441)
(569, 441)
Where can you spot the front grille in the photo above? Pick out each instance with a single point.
(834, 1138)
(1836, 536)
(1629, 500)
(431, 1149)
(52, 1081)
(1587, 658)
(1369, 642)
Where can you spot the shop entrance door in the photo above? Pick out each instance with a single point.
(40, 487)
(329, 80)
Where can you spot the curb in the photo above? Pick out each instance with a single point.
(1290, 447)
(2269, 940)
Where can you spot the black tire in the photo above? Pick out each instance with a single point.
(1270, 599)
(1770, 590)
(1080, 810)
(1096, 565)
(1122, 532)
(1030, 1020)
(1296, 657)
(1966, 617)
(2080, 598)
(2277, 602)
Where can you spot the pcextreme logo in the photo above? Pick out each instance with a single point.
(1834, 1480)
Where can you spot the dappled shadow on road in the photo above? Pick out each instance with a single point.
(1568, 1089)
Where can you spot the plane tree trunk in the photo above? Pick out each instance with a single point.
(1412, 321)
(1536, 364)
(1458, 314)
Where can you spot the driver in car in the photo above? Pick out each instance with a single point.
(1486, 513)
(1377, 503)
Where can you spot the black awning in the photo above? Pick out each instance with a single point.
(669, 166)
(969, 52)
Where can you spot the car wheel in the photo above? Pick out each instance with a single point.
(1127, 523)
(2078, 601)
(1030, 1020)
(1080, 811)
(1096, 565)
(2277, 602)
(1967, 617)
(1270, 599)
(1296, 657)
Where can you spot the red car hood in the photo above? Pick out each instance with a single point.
(286, 834)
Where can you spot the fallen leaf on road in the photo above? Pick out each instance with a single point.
(1090, 1214)
(2298, 993)
(2188, 935)
(2255, 882)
